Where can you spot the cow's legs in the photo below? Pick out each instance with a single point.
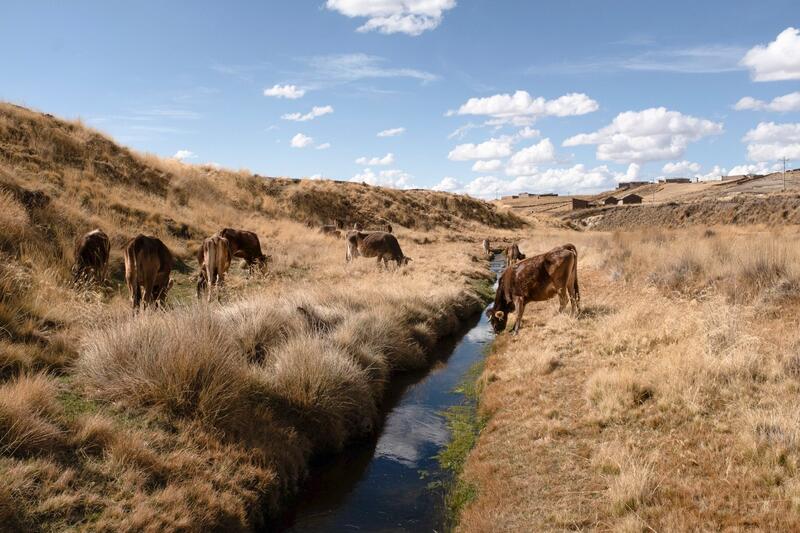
(519, 304)
(562, 299)
(380, 258)
(133, 287)
(573, 300)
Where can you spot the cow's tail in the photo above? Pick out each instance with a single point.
(574, 273)
(132, 273)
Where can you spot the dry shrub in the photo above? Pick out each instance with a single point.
(730, 351)
(258, 328)
(633, 487)
(325, 388)
(14, 220)
(28, 405)
(773, 435)
(613, 393)
(182, 362)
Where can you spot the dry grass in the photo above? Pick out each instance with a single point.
(203, 417)
(672, 405)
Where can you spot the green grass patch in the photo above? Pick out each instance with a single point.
(465, 425)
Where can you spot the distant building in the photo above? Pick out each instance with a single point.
(524, 194)
(548, 194)
(578, 203)
(632, 199)
(511, 197)
(611, 200)
(678, 180)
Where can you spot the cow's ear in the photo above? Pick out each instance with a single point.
(499, 315)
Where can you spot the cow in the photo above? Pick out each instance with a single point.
(536, 279)
(487, 249)
(148, 264)
(513, 255)
(216, 255)
(91, 257)
(331, 231)
(245, 245)
(378, 244)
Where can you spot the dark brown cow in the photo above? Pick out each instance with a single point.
(513, 255)
(216, 255)
(378, 244)
(91, 257)
(245, 245)
(148, 264)
(536, 279)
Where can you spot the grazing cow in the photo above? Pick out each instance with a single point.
(513, 255)
(91, 257)
(148, 264)
(487, 249)
(331, 231)
(245, 245)
(378, 244)
(536, 279)
(216, 256)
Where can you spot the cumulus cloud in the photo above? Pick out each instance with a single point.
(301, 141)
(521, 108)
(487, 166)
(292, 92)
(633, 171)
(388, 159)
(779, 60)
(649, 135)
(316, 111)
(780, 104)
(448, 184)
(391, 132)
(575, 179)
(323, 146)
(758, 168)
(525, 161)
(491, 149)
(385, 178)
(714, 174)
(681, 168)
(528, 133)
(770, 141)
(180, 155)
(411, 17)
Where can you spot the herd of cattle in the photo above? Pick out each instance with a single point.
(148, 265)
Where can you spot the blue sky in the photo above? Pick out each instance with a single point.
(492, 96)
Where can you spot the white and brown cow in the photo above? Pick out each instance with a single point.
(216, 257)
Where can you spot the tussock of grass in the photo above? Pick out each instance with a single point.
(26, 405)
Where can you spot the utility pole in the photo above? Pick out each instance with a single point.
(784, 173)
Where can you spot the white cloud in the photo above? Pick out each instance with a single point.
(180, 155)
(714, 174)
(323, 146)
(681, 168)
(391, 132)
(520, 108)
(780, 104)
(528, 133)
(633, 171)
(487, 166)
(411, 17)
(385, 178)
(388, 159)
(770, 141)
(491, 149)
(575, 179)
(759, 168)
(448, 184)
(301, 141)
(779, 60)
(525, 161)
(316, 111)
(291, 92)
(649, 135)
(336, 69)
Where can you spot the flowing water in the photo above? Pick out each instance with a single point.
(389, 482)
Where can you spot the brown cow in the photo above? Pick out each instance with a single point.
(216, 255)
(148, 264)
(91, 257)
(513, 255)
(245, 245)
(378, 244)
(331, 231)
(536, 279)
(487, 249)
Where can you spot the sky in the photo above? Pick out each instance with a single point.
(484, 97)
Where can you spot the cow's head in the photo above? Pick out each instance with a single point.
(160, 292)
(498, 319)
(405, 260)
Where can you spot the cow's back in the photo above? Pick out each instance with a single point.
(243, 244)
(381, 243)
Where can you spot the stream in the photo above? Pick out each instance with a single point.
(392, 481)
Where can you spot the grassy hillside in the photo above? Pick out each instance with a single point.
(201, 416)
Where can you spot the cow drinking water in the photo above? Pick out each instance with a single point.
(148, 264)
(536, 279)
